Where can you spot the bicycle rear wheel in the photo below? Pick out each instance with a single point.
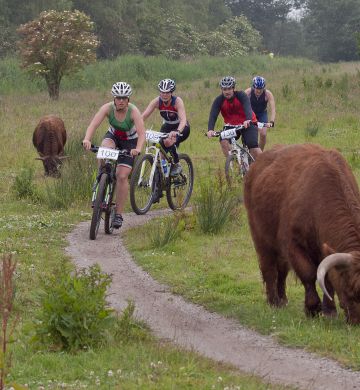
(141, 190)
(179, 188)
(98, 206)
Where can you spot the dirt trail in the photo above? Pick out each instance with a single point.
(194, 328)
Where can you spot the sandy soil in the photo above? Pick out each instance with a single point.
(192, 327)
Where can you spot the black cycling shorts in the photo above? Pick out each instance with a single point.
(121, 144)
(166, 128)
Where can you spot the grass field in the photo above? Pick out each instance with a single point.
(315, 103)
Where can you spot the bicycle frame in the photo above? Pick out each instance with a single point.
(156, 150)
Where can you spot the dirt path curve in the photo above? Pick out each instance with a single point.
(192, 327)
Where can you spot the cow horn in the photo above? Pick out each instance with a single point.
(329, 262)
(63, 157)
(41, 158)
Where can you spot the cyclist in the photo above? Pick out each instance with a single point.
(126, 131)
(172, 110)
(236, 109)
(259, 99)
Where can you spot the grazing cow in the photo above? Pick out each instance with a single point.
(303, 206)
(49, 139)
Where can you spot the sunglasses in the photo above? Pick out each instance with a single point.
(121, 98)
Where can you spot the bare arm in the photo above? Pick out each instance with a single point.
(271, 101)
(140, 129)
(248, 91)
(95, 123)
(150, 108)
(179, 104)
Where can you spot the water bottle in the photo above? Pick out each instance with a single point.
(164, 165)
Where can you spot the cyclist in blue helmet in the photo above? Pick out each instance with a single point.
(260, 97)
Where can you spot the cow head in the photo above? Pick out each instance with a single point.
(343, 271)
(52, 164)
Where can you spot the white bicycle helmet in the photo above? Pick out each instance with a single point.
(227, 82)
(167, 85)
(121, 89)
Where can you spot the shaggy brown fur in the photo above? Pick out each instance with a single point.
(49, 139)
(298, 199)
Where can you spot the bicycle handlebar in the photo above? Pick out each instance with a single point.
(238, 128)
(95, 149)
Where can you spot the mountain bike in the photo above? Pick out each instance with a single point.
(239, 159)
(152, 176)
(103, 190)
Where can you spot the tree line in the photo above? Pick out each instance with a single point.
(325, 30)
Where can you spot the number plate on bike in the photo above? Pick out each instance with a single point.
(153, 136)
(107, 153)
(226, 134)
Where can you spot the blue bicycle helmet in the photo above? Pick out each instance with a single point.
(258, 82)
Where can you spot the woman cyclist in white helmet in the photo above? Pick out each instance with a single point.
(172, 111)
(126, 131)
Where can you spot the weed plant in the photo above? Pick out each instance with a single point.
(23, 185)
(165, 230)
(213, 206)
(73, 312)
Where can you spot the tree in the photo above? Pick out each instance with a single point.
(57, 44)
(234, 37)
(331, 27)
(263, 14)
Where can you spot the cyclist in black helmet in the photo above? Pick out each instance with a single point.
(172, 110)
(126, 131)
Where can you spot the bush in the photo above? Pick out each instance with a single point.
(214, 207)
(164, 231)
(74, 313)
(23, 185)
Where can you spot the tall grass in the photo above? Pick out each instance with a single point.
(139, 69)
(77, 176)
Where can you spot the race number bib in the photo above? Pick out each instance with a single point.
(153, 136)
(226, 134)
(107, 153)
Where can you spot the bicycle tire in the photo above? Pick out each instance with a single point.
(142, 194)
(110, 212)
(97, 211)
(179, 188)
(233, 171)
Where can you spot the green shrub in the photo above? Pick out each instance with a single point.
(214, 206)
(23, 186)
(164, 231)
(73, 312)
(311, 129)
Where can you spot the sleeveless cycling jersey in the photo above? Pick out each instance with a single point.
(124, 130)
(258, 104)
(169, 113)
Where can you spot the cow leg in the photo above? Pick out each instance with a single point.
(283, 270)
(305, 269)
(269, 271)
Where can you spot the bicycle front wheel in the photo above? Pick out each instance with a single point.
(98, 206)
(179, 188)
(233, 172)
(141, 190)
(110, 211)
